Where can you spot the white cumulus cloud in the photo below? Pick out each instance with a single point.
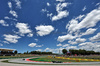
(89, 31)
(72, 42)
(65, 45)
(65, 37)
(78, 40)
(30, 35)
(13, 13)
(24, 29)
(18, 3)
(39, 50)
(84, 8)
(39, 45)
(90, 46)
(3, 23)
(32, 44)
(48, 4)
(6, 42)
(90, 20)
(59, 45)
(10, 5)
(60, 15)
(36, 40)
(96, 37)
(60, 0)
(44, 10)
(52, 50)
(11, 38)
(60, 12)
(43, 30)
(80, 17)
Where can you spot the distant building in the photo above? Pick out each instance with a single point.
(6, 52)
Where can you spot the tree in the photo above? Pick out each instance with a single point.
(27, 52)
(64, 51)
(15, 52)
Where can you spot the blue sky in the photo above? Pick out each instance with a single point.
(50, 25)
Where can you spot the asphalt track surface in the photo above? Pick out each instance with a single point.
(22, 61)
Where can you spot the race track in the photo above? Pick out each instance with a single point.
(21, 61)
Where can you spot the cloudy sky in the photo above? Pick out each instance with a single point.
(50, 25)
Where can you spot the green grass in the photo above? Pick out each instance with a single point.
(17, 56)
(47, 59)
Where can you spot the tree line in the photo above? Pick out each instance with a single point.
(80, 52)
(37, 52)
